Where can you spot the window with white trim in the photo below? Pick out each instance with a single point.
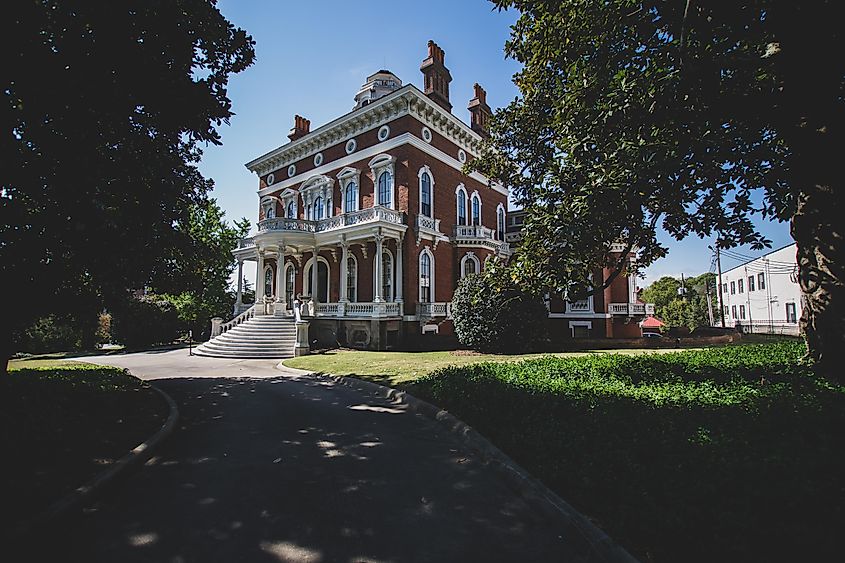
(476, 209)
(382, 167)
(426, 276)
(349, 179)
(500, 222)
(290, 277)
(351, 197)
(387, 275)
(268, 280)
(291, 212)
(352, 278)
(426, 192)
(470, 264)
(318, 208)
(461, 204)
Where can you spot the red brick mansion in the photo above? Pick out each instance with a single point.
(370, 223)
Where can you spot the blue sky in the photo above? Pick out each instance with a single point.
(311, 58)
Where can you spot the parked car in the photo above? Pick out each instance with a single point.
(652, 335)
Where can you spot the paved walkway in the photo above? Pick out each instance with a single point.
(272, 466)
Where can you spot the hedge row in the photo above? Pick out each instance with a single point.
(725, 454)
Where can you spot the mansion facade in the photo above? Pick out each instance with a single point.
(368, 222)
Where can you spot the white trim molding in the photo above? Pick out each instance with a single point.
(470, 257)
(426, 170)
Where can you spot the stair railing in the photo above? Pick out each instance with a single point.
(242, 318)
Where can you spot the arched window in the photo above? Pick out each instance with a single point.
(425, 194)
(500, 223)
(271, 211)
(476, 209)
(351, 199)
(470, 264)
(385, 189)
(322, 280)
(290, 276)
(291, 210)
(318, 208)
(461, 197)
(426, 276)
(351, 279)
(268, 281)
(386, 276)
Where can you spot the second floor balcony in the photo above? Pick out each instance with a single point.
(478, 235)
(368, 215)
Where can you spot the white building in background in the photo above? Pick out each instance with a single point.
(763, 295)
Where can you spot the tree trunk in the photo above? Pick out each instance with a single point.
(818, 228)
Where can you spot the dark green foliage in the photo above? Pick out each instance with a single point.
(144, 322)
(687, 310)
(104, 108)
(691, 116)
(492, 315)
(732, 454)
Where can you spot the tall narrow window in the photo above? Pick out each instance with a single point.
(791, 315)
(291, 210)
(739, 286)
(290, 274)
(750, 283)
(425, 278)
(329, 206)
(462, 207)
(268, 281)
(761, 280)
(742, 312)
(425, 194)
(351, 197)
(351, 279)
(386, 276)
(476, 210)
(733, 288)
(271, 210)
(318, 208)
(385, 189)
(500, 224)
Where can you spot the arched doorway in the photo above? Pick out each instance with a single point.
(322, 281)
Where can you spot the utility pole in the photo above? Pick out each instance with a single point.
(719, 293)
(710, 305)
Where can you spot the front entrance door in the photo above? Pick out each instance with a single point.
(322, 282)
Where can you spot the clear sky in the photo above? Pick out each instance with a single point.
(311, 58)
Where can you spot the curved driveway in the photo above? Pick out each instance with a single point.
(272, 466)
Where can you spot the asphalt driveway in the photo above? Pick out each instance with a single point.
(272, 466)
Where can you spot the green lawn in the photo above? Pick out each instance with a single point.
(63, 422)
(395, 368)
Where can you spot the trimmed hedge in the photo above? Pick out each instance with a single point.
(730, 454)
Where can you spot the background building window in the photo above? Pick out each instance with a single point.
(750, 283)
(761, 280)
(740, 286)
(742, 312)
(733, 311)
(791, 316)
(385, 189)
(425, 194)
(733, 288)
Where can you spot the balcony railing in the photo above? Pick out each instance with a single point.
(581, 306)
(368, 215)
(631, 309)
(432, 310)
(480, 235)
(358, 310)
(428, 224)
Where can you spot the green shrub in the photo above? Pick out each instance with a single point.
(730, 454)
(56, 333)
(146, 321)
(490, 315)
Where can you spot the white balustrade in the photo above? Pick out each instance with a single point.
(618, 309)
(631, 309)
(580, 306)
(368, 215)
(243, 317)
(649, 308)
(434, 309)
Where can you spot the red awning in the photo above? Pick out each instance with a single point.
(652, 322)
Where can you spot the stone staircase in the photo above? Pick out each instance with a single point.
(261, 336)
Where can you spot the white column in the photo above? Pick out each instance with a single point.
(259, 282)
(399, 269)
(344, 256)
(280, 267)
(378, 297)
(315, 288)
(240, 299)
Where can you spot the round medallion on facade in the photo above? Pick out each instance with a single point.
(318, 159)
(426, 134)
(462, 156)
(383, 132)
(270, 179)
(351, 145)
(291, 170)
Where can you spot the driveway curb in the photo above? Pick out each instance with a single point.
(137, 456)
(602, 547)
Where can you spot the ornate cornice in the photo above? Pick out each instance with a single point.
(408, 100)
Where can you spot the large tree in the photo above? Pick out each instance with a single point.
(693, 116)
(105, 106)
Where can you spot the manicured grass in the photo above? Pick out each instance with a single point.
(727, 454)
(396, 368)
(61, 423)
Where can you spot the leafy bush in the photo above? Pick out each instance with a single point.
(59, 333)
(491, 315)
(146, 321)
(731, 454)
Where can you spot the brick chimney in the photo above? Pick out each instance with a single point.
(480, 112)
(301, 127)
(437, 77)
